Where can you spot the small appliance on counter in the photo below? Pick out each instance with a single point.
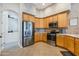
(27, 33)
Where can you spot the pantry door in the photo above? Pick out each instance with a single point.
(10, 30)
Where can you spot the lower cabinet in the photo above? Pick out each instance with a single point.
(66, 42)
(37, 37)
(40, 37)
(60, 40)
(44, 37)
(70, 44)
(76, 46)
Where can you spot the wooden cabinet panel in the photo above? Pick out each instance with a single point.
(62, 20)
(47, 22)
(41, 23)
(69, 43)
(66, 42)
(37, 37)
(50, 19)
(60, 40)
(25, 17)
(46, 25)
(44, 37)
(31, 18)
(37, 23)
(76, 46)
(40, 37)
(55, 18)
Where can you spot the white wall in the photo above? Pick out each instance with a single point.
(29, 8)
(74, 13)
(0, 26)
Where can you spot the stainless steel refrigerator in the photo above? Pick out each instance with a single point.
(27, 33)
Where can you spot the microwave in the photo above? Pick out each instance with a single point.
(53, 25)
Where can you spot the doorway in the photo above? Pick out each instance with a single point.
(10, 36)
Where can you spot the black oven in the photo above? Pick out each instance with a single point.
(53, 25)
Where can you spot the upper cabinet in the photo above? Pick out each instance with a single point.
(50, 19)
(25, 17)
(37, 23)
(31, 18)
(47, 22)
(63, 20)
(55, 18)
(41, 23)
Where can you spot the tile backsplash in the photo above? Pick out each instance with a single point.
(40, 30)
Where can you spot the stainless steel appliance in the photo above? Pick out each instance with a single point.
(27, 33)
(53, 25)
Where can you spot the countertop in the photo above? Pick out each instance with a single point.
(73, 35)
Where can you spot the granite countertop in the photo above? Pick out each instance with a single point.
(73, 35)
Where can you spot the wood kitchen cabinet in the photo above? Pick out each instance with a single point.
(60, 40)
(37, 37)
(66, 42)
(50, 19)
(47, 22)
(40, 37)
(63, 20)
(25, 17)
(55, 18)
(76, 49)
(45, 25)
(41, 23)
(44, 37)
(31, 18)
(70, 43)
(37, 23)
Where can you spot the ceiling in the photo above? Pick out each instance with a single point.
(41, 6)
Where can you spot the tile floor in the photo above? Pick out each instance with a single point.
(38, 49)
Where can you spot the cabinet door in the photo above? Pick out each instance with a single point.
(37, 23)
(63, 20)
(66, 42)
(71, 44)
(25, 17)
(31, 18)
(44, 23)
(41, 23)
(60, 40)
(50, 19)
(44, 37)
(47, 21)
(55, 18)
(77, 46)
(37, 37)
